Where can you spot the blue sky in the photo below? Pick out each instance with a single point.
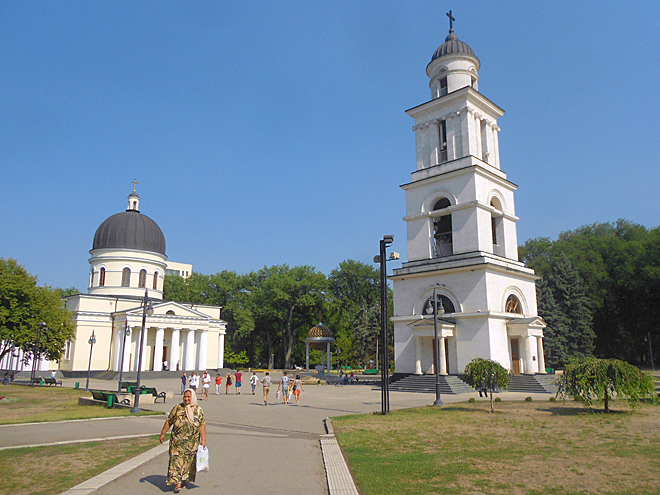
(264, 133)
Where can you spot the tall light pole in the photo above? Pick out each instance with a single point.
(147, 309)
(91, 342)
(648, 337)
(36, 355)
(438, 310)
(384, 338)
(127, 333)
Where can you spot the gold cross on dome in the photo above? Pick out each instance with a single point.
(135, 183)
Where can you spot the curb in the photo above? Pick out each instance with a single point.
(119, 470)
(340, 481)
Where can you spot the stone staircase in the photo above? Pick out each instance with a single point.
(539, 384)
(408, 382)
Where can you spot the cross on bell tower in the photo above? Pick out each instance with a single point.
(451, 20)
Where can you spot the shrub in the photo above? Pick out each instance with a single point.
(552, 399)
(498, 399)
(472, 399)
(528, 399)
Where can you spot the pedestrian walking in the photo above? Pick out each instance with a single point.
(284, 387)
(5, 380)
(206, 384)
(297, 388)
(184, 380)
(265, 382)
(254, 380)
(228, 383)
(218, 382)
(188, 431)
(238, 376)
(194, 382)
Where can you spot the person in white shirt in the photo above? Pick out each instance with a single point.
(206, 383)
(254, 380)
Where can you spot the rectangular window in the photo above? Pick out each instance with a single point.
(443, 141)
(443, 86)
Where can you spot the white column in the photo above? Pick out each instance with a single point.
(443, 357)
(418, 356)
(127, 351)
(175, 352)
(529, 364)
(496, 146)
(119, 342)
(424, 129)
(307, 358)
(136, 349)
(158, 349)
(539, 347)
(221, 350)
(203, 349)
(144, 348)
(189, 363)
(419, 147)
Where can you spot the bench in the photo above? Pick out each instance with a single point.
(370, 372)
(100, 395)
(154, 392)
(37, 380)
(52, 381)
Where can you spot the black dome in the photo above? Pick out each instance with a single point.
(130, 230)
(452, 45)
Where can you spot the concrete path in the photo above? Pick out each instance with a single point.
(253, 449)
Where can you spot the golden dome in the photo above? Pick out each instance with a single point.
(320, 330)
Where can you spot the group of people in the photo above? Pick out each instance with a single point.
(189, 426)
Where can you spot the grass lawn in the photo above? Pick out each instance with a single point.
(53, 470)
(40, 404)
(535, 448)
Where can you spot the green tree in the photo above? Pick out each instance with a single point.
(554, 342)
(486, 373)
(23, 305)
(591, 378)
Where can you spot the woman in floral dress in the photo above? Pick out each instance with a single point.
(188, 431)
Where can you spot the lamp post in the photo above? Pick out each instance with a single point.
(647, 337)
(385, 359)
(36, 355)
(147, 309)
(127, 333)
(91, 342)
(438, 310)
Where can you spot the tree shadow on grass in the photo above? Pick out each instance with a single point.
(581, 411)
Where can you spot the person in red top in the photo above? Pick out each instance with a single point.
(218, 382)
(238, 376)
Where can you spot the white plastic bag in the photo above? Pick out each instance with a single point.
(277, 394)
(290, 394)
(202, 459)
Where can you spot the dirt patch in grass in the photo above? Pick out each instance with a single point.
(523, 448)
(40, 404)
(53, 470)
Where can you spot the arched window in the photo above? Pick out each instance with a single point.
(102, 277)
(142, 281)
(155, 280)
(442, 230)
(126, 277)
(513, 305)
(170, 312)
(446, 304)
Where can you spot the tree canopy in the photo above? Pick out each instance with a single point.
(602, 379)
(23, 306)
(604, 280)
(488, 374)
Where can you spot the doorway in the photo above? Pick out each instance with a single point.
(515, 357)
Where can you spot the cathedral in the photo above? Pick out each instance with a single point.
(128, 266)
(462, 240)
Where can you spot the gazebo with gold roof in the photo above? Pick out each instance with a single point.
(319, 338)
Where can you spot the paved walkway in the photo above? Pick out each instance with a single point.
(253, 449)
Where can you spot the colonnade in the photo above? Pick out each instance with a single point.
(187, 349)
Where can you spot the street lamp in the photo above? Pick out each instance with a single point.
(647, 337)
(385, 359)
(36, 355)
(147, 309)
(91, 342)
(438, 310)
(127, 333)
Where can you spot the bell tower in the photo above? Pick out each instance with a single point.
(461, 225)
